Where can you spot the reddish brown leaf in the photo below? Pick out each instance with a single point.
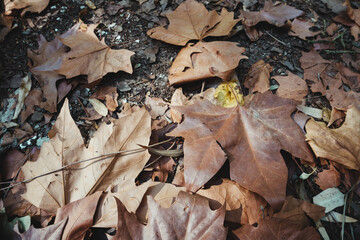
(275, 229)
(258, 78)
(156, 107)
(343, 100)
(109, 94)
(205, 60)
(301, 28)
(252, 136)
(291, 86)
(190, 21)
(80, 216)
(11, 163)
(26, 5)
(328, 178)
(273, 14)
(32, 100)
(350, 78)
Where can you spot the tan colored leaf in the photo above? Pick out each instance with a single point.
(258, 78)
(354, 14)
(335, 115)
(252, 137)
(350, 78)
(27, 6)
(205, 60)
(91, 56)
(340, 145)
(274, 14)
(242, 206)
(67, 146)
(190, 21)
(291, 86)
(343, 100)
(80, 216)
(109, 94)
(328, 178)
(301, 28)
(54, 231)
(99, 106)
(156, 107)
(276, 229)
(45, 61)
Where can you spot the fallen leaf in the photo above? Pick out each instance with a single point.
(80, 216)
(274, 14)
(252, 137)
(242, 206)
(11, 163)
(205, 60)
(45, 61)
(276, 229)
(228, 94)
(54, 231)
(340, 145)
(258, 77)
(67, 146)
(91, 56)
(190, 21)
(156, 107)
(26, 6)
(291, 86)
(343, 100)
(331, 29)
(336, 6)
(354, 14)
(109, 94)
(301, 28)
(338, 217)
(330, 198)
(336, 115)
(328, 178)
(33, 99)
(21, 94)
(99, 107)
(350, 78)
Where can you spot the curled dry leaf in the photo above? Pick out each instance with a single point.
(340, 145)
(99, 107)
(27, 6)
(291, 86)
(156, 107)
(274, 14)
(80, 215)
(242, 205)
(109, 94)
(252, 136)
(276, 229)
(67, 146)
(205, 60)
(258, 77)
(342, 100)
(301, 28)
(190, 21)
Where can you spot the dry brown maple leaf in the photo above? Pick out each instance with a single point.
(242, 206)
(91, 56)
(301, 28)
(341, 145)
(25, 5)
(274, 14)
(291, 86)
(189, 217)
(66, 146)
(80, 215)
(45, 61)
(258, 77)
(190, 21)
(205, 60)
(276, 229)
(252, 137)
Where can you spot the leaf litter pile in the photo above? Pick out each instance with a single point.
(255, 152)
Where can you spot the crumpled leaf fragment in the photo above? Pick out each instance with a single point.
(291, 86)
(190, 21)
(340, 145)
(205, 60)
(301, 28)
(258, 78)
(27, 6)
(274, 14)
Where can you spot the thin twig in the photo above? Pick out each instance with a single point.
(339, 51)
(344, 210)
(277, 39)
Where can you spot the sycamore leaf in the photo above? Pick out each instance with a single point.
(91, 56)
(190, 21)
(205, 60)
(274, 14)
(242, 205)
(276, 229)
(301, 28)
(343, 100)
(26, 5)
(258, 78)
(80, 216)
(252, 137)
(340, 145)
(189, 217)
(291, 86)
(67, 146)
(54, 231)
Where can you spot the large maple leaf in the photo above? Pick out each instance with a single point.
(251, 136)
(190, 21)
(55, 190)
